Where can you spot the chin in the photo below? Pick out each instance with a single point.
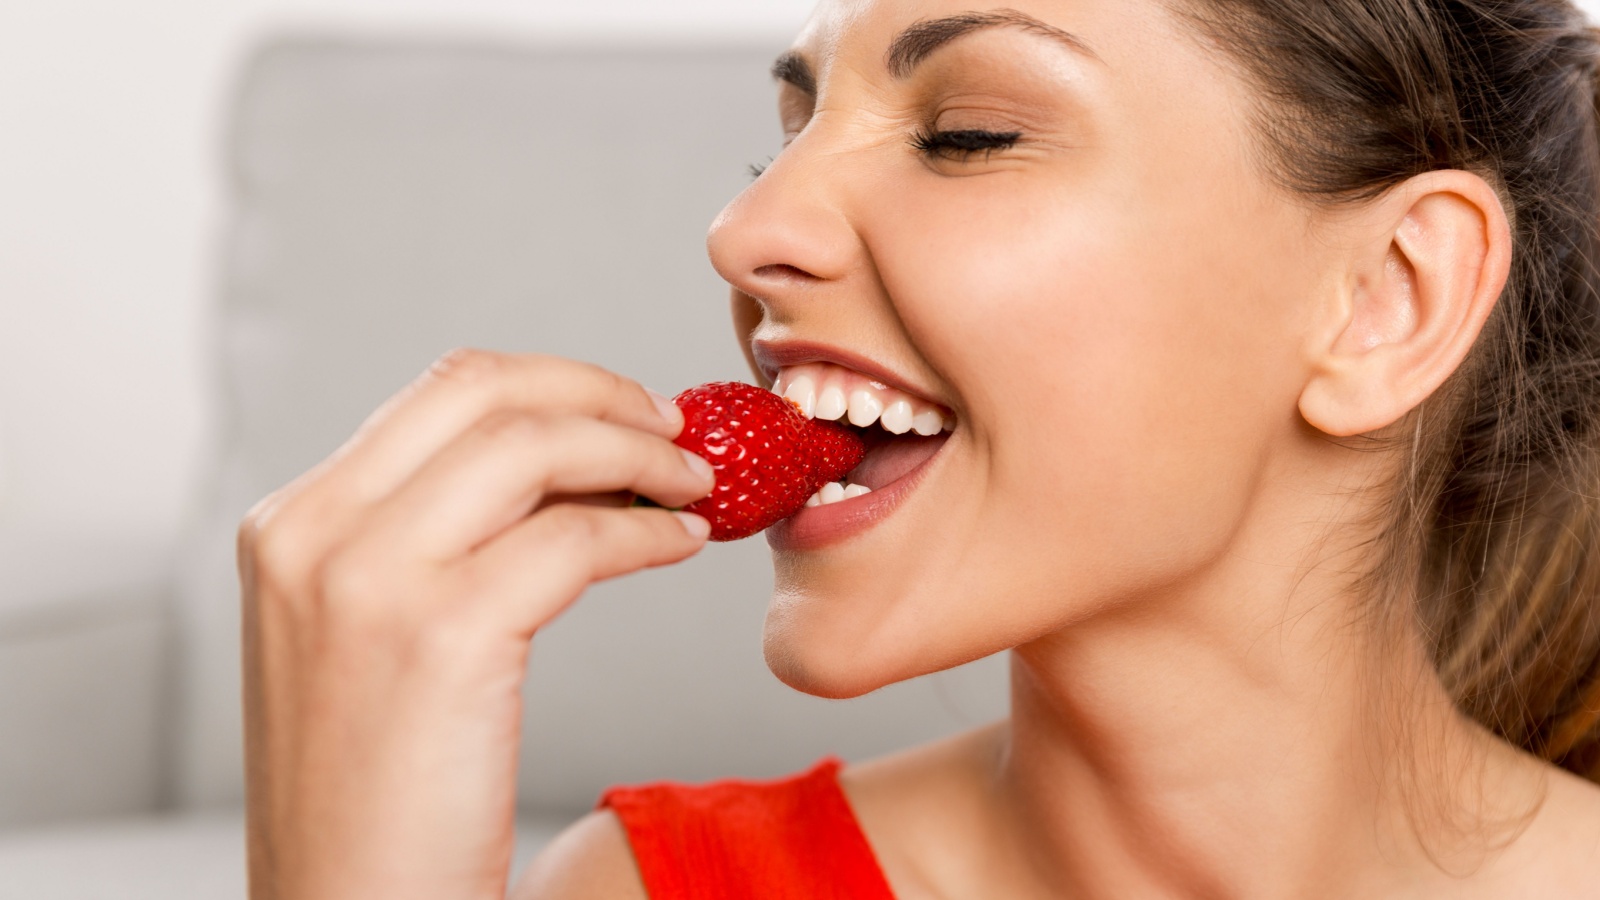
(811, 646)
(812, 667)
(817, 677)
(839, 644)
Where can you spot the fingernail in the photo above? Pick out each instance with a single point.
(698, 528)
(666, 408)
(698, 465)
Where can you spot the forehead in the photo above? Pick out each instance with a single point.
(1157, 112)
(856, 27)
(1156, 87)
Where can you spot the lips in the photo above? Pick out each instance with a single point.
(903, 430)
(900, 466)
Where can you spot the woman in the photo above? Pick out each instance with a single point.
(1268, 332)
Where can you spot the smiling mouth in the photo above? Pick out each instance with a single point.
(901, 431)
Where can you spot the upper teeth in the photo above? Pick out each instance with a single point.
(824, 391)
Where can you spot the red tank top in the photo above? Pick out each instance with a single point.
(793, 838)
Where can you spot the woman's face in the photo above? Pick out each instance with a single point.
(1083, 267)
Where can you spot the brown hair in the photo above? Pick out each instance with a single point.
(1496, 519)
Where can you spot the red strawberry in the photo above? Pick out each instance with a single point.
(769, 458)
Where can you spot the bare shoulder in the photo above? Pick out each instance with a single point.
(927, 812)
(933, 774)
(591, 859)
(1570, 837)
(1556, 856)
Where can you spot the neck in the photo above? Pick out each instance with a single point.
(1203, 747)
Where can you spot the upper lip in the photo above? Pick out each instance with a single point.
(772, 356)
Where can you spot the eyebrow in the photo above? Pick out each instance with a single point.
(918, 42)
(921, 39)
(793, 68)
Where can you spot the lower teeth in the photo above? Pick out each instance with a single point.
(833, 492)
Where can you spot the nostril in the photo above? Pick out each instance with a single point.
(783, 272)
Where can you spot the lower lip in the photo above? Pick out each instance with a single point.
(816, 527)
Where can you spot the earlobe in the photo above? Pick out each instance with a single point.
(1422, 282)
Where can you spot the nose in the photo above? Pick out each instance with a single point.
(788, 230)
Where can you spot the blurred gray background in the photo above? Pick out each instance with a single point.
(230, 230)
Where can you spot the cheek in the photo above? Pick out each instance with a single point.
(1125, 359)
(1123, 364)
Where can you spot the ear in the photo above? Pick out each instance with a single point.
(1431, 258)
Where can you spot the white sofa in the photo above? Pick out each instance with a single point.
(392, 200)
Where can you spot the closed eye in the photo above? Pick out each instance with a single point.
(964, 144)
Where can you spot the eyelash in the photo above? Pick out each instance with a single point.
(959, 145)
(964, 144)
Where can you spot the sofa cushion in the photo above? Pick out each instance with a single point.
(187, 857)
(85, 675)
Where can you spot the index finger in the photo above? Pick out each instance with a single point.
(465, 386)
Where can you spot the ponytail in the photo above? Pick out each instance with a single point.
(1515, 546)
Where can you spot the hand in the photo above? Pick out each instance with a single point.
(390, 596)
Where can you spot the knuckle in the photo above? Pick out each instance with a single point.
(360, 599)
(467, 365)
(631, 392)
(273, 549)
(350, 578)
(623, 386)
(605, 385)
(573, 527)
(253, 527)
(509, 425)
